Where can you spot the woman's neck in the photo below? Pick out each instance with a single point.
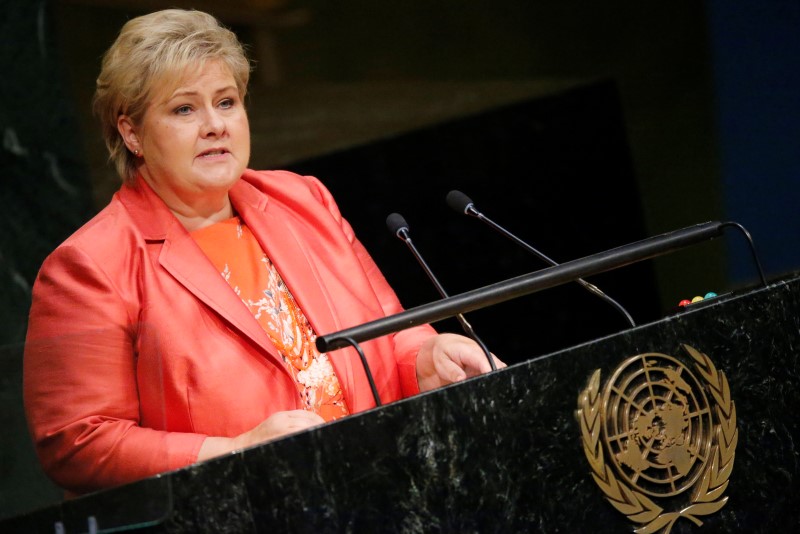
(194, 210)
(195, 219)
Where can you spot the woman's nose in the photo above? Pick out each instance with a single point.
(213, 124)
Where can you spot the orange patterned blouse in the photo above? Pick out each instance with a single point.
(236, 254)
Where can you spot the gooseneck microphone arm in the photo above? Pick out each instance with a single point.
(375, 395)
(461, 203)
(749, 239)
(524, 285)
(398, 226)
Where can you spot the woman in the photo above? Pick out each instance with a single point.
(178, 324)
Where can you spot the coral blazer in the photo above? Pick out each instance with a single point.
(138, 349)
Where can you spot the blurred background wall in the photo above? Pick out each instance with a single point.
(661, 114)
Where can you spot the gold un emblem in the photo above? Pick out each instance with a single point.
(660, 438)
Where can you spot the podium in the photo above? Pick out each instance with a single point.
(510, 451)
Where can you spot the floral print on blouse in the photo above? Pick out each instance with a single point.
(237, 255)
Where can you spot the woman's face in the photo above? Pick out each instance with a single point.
(194, 141)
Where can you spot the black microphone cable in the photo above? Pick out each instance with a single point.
(461, 203)
(399, 227)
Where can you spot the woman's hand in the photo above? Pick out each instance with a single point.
(448, 358)
(276, 425)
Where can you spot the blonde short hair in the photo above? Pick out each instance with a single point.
(151, 51)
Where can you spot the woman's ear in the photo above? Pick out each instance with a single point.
(129, 134)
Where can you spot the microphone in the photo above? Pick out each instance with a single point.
(526, 284)
(399, 227)
(461, 203)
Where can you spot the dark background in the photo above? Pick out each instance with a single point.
(497, 158)
(580, 127)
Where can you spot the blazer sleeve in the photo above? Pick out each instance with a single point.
(80, 387)
(406, 342)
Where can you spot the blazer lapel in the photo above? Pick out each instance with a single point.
(184, 260)
(288, 250)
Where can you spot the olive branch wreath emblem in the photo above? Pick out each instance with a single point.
(707, 496)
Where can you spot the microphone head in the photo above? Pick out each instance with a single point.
(396, 224)
(459, 202)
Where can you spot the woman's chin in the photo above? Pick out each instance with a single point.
(217, 175)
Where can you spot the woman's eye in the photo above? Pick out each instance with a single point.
(183, 110)
(226, 104)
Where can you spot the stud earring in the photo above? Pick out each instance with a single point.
(136, 153)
